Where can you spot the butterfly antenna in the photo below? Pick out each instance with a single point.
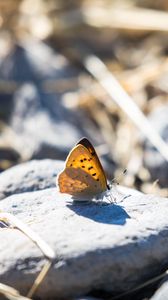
(116, 179)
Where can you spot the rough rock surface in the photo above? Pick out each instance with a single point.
(110, 247)
(30, 176)
(162, 292)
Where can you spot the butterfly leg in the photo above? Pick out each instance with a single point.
(102, 203)
(110, 198)
(99, 200)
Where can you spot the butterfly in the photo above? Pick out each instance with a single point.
(83, 175)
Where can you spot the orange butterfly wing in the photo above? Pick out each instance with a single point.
(83, 174)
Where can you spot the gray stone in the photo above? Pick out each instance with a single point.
(40, 127)
(44, 126)
(110, 248)
(162, 292)
(5, 105)
(34, 61)
(8, 155)
(30, 176)
(88, 298)
(35, 109)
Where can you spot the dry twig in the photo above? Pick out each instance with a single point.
(11, 221)
(106, 79)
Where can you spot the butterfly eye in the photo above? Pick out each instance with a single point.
(108, 187)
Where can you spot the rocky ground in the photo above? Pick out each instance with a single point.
(100, 248)
(50, 97)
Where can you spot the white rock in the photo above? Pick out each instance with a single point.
(98, 247)
(30, 176)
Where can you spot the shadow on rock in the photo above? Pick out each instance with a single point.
(107, 214)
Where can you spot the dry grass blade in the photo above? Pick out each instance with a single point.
(34, 237)
(128, 18)
(10, 293)
(8, 219)
(98, 69)
(141, 286)
(139, 19)
(141, 76)
(39, 278)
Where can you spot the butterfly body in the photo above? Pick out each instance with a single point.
(83, 175)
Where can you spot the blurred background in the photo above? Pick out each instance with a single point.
(49, 97)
